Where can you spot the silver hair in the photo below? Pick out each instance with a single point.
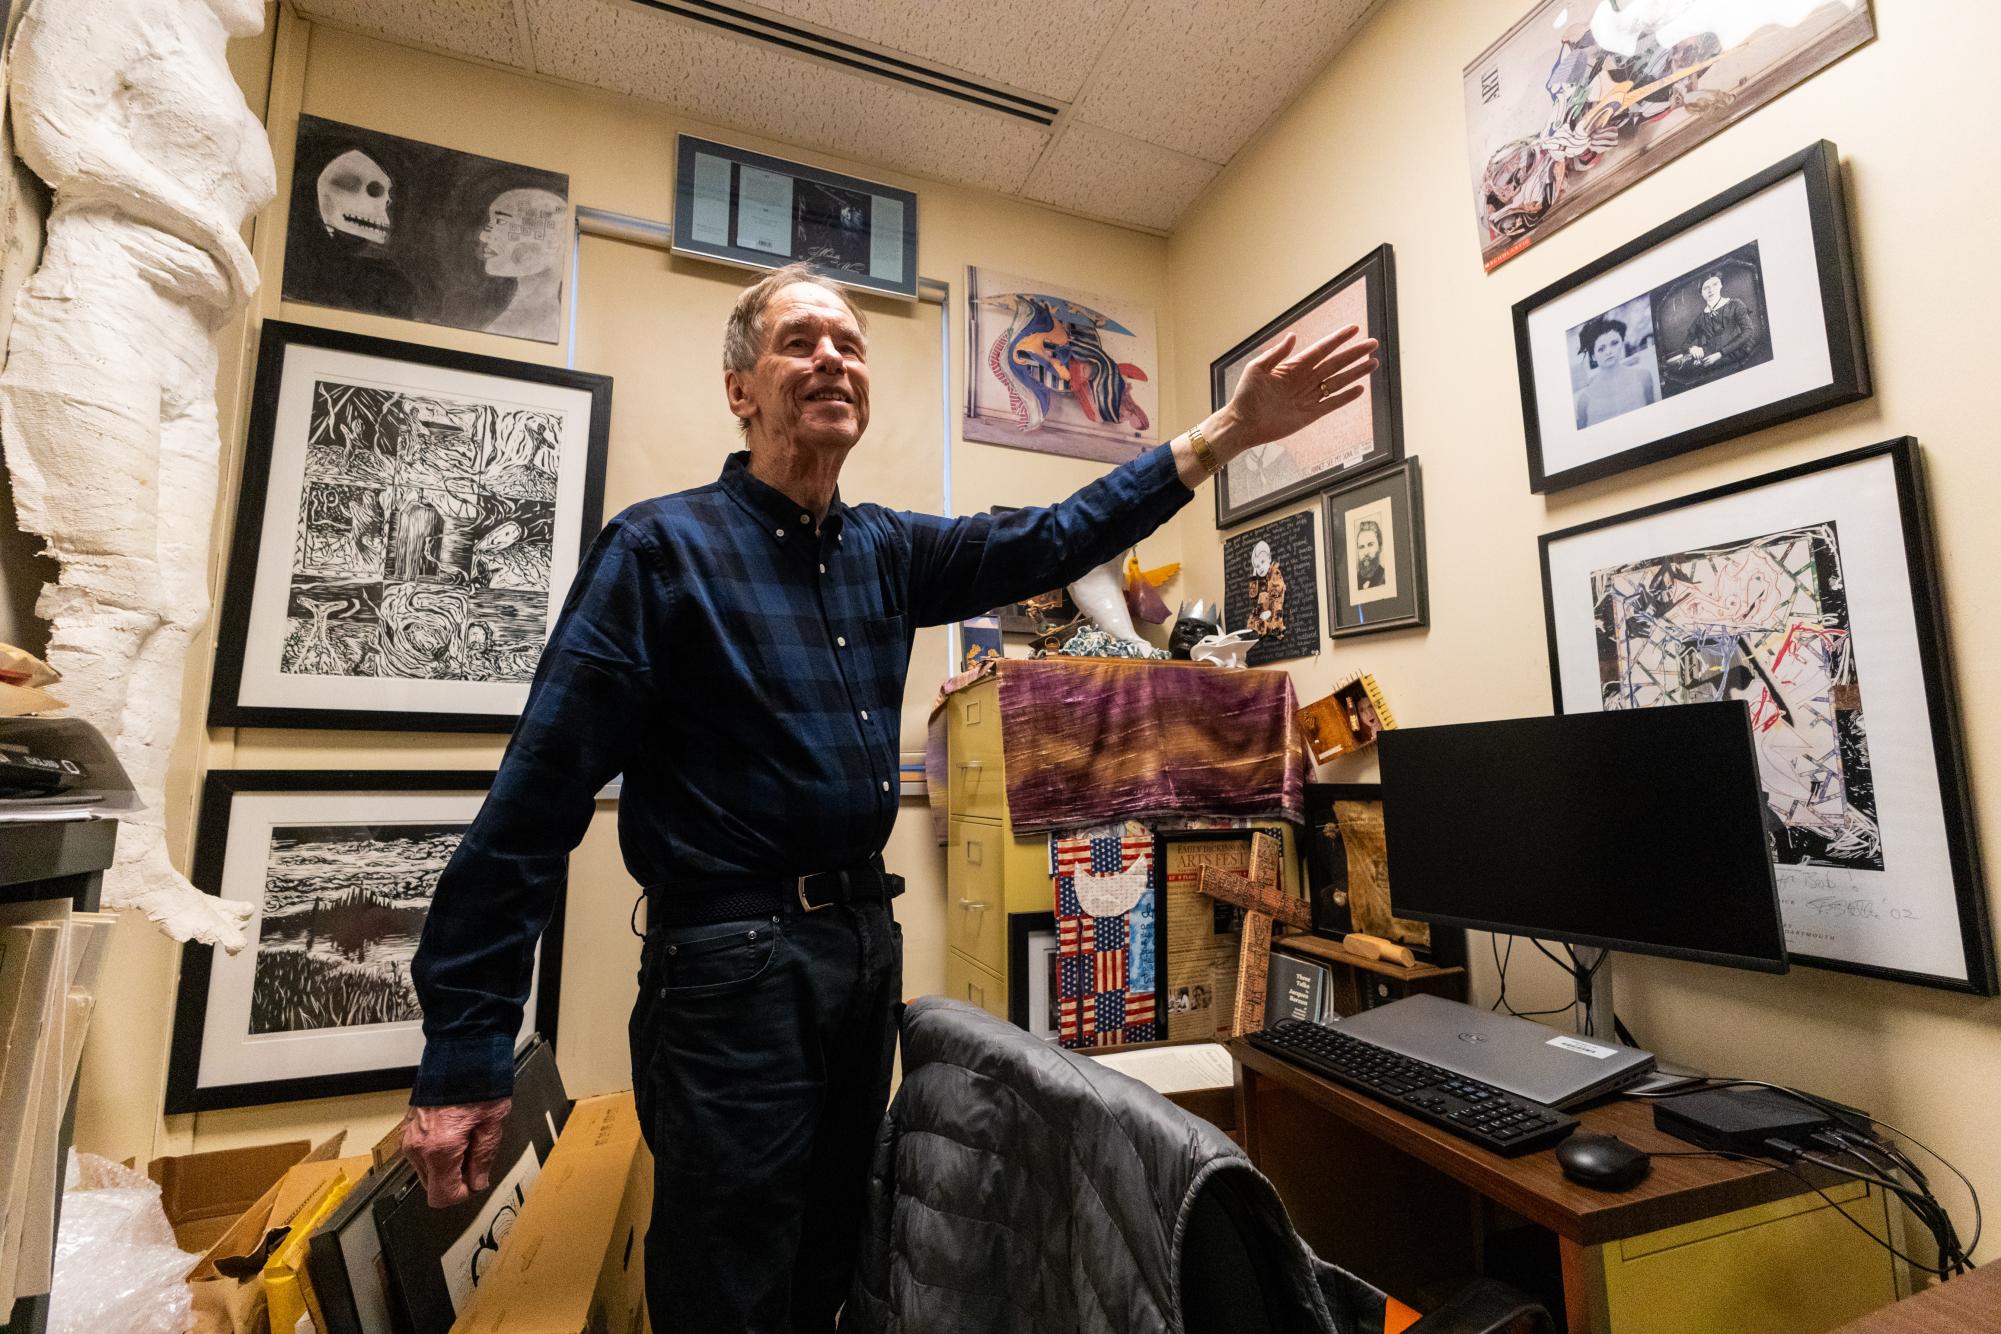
(743, 336)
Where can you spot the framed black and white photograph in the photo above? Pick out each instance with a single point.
(410, 522)
(1031, 971)
(1812, 595)
(1268, 577)
(1365, 434)
(1375, 553)
(391, 226)
(1740, 314)
(338, 868)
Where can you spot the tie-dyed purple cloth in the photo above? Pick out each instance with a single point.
(1087, 741)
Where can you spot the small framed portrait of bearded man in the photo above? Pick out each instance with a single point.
(1375, 553)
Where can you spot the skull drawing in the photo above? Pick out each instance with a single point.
(354, 197)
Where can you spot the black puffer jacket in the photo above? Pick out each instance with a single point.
(1020, 1189)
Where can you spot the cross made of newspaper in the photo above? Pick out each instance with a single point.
(1263, 899)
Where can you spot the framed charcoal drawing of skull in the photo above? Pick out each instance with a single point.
(410, 521)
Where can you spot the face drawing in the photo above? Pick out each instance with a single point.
(1261, 560)
(1609, 350)
(354, 197)
(523, 233)
(1368, 547)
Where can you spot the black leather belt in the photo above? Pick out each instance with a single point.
(698, 902)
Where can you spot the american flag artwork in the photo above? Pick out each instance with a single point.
(1105, 964)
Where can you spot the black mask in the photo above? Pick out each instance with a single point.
(1187, 630)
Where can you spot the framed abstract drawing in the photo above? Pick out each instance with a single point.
(1581, 98)
(1740, 314)
(1365, 434)
(339, 868)
(410, 522)
(1375, 553)
(1811, 594)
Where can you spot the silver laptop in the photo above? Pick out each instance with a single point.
(1520, 1056)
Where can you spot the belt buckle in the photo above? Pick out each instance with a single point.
(805, 904)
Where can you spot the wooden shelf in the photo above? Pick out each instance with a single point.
(1335, 952)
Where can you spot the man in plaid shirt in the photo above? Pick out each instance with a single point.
(738, 653)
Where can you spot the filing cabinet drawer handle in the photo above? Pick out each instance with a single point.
(972, 905)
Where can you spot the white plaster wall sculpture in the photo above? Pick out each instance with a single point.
(127, 109)
(1101, 596)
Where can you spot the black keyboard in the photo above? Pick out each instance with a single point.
(1488, 1116)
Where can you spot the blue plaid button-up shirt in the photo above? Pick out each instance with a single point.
(744, 669)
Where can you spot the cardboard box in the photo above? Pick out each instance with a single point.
(573, 1262)
(205, 1193)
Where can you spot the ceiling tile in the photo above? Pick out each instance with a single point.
(728, 80)
(1201, 76)
(1032, 48)
(485, 29)
(1106, 175)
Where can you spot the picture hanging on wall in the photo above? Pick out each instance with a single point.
(338, 868)
(1375, 553)
(410, 522)
(1740, 314)
(390, 226)
(1269, 577)
(1058, 370)
(1365, 434)
(1811, 594)
(1582, 98)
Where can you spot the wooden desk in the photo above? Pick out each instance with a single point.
(1967, 1305)
(1423, 1211)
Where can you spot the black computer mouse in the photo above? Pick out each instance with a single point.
(1602, 1162)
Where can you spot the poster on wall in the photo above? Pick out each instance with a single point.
(411, 519)
(1582, 98)
(1272, 587)
(390, 226)
(1058, 370)
(339, 868)
(1203, 936)
(1812, 595)
(1739, 314)
(1353, 439)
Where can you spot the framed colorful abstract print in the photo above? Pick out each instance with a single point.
(410, 522)
(1365, 434)
(1740, 314)
(1058, 370)
(1812, 595)
(339, 868)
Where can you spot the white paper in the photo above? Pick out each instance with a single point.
(478, 1247)
(710, 221)
(764, 211)
(885, 239)
(1200, 1065)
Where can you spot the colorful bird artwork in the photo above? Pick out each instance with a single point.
(1054, 346)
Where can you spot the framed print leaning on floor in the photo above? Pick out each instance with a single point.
(1354, 438)
(1740, 314)
(410, 521)
(1812, 595)
(339, 868)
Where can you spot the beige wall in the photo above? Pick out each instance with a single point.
(1374, 152)
(639, 314)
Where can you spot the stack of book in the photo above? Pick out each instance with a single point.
(50, 958)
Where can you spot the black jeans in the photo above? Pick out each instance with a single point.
(761, 1056)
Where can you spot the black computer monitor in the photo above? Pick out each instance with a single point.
(1634, 829)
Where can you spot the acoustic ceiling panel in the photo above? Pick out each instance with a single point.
(484, 29)
(762, 90)
(1106, 175)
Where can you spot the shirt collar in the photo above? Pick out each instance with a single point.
(772, 507)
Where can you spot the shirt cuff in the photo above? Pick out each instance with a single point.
(462, 1070)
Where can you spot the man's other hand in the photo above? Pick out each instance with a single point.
(452, 1148)
(1283, 389)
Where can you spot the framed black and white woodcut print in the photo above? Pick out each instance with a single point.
(1365, 434)
(339, 868)
(1375, 553)
(1812, 595)
(410, 522)
(1740, 314)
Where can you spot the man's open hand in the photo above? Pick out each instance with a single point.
(1281, 390)
(452, 1148)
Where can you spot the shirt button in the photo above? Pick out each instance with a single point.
(823, 569)
(779, 531)
(885, 785)
(842, 640)
(805, 518)
(864, 715)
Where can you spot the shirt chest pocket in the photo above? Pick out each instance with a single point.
(883, 638)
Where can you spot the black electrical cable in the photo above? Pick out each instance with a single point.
(1624, 1033)
(1928, 1211)
(1501, 966)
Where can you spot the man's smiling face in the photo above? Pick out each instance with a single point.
(810, 384)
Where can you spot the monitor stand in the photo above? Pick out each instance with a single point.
(1593, 977)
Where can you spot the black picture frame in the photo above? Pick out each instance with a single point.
(1399, 489)
(1377, 271)
(1331, 919)
(246, 570)
(1848, 380)
(1927, 671)
(185, 1092)
(1021, 927)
